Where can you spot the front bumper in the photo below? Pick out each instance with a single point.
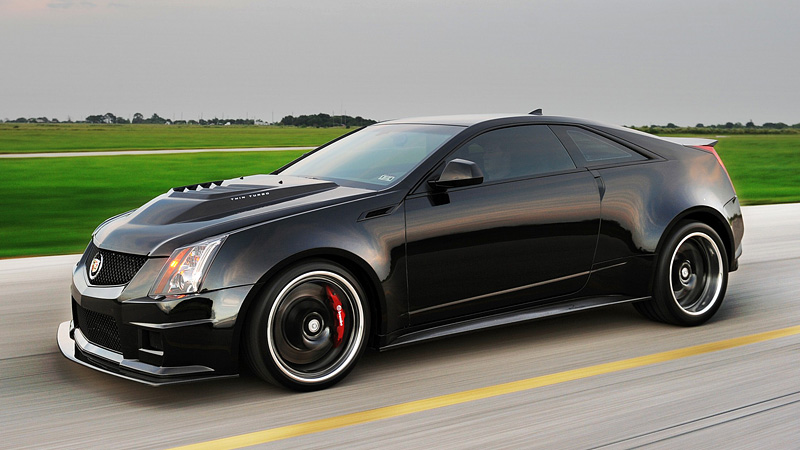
(75, 347)
(121, 331)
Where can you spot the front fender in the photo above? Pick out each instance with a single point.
(374, 249)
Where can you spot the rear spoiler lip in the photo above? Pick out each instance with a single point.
(700, 144)
(691, 142)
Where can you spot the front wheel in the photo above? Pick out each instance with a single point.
(309, 327)
(691, 277)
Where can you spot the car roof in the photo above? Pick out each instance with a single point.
(467, 120)
(463, 120)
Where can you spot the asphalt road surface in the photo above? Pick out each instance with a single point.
(740, 396)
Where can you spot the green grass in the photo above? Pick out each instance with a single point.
(51, 205)
(34, 138)
(764, 168)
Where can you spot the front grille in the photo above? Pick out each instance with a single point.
(116, 268)
(99, 329)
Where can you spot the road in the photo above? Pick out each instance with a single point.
(747, 396)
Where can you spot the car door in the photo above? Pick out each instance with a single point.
(527, 233)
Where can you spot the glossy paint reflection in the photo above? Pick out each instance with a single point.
(497, 238)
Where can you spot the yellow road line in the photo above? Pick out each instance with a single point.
(331, 423)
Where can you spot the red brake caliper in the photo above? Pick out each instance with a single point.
(338, 312)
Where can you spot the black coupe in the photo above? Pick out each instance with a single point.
(400, 232)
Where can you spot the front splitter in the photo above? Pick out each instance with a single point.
(114, 364)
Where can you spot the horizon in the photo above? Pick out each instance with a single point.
(669, 124)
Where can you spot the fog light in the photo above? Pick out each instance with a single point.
(152, 340)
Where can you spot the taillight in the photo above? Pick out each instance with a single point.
(711, 150)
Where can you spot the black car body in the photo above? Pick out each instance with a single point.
(424, 234)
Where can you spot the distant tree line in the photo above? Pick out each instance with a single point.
(728, 127)
(106, 118)
(33, 120)
(323, 120)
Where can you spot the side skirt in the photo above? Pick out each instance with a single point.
(507, 318)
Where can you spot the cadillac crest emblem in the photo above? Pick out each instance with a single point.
(94, 268)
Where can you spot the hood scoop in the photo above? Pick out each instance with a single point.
(214, 199)
(194, 187)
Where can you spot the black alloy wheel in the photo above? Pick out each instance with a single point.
(691, 277)
(309, 327)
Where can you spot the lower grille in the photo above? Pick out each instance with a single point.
(99, 329)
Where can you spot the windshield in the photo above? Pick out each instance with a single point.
(379, 155)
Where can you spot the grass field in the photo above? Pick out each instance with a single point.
(51, 205)
(763, 168)
(32, 138)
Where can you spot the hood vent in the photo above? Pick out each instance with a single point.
(214, 199)
(193, 187)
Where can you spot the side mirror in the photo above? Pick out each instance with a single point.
(458, 173)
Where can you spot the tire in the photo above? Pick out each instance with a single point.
(308, 327)
(691, 277)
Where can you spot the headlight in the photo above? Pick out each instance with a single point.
(184, 271)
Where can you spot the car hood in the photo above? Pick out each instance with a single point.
(187, 214)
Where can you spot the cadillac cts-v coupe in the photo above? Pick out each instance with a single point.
(400, 232)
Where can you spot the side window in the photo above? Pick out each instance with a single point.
(515, 152)
(597, 149)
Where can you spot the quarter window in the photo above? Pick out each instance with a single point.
(516, 152)
(596, 149)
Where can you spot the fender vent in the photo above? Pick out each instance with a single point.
(385, 211)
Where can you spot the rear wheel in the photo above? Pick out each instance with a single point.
(309, 327)
(691, 277)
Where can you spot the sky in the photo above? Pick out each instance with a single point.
(626, 62)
